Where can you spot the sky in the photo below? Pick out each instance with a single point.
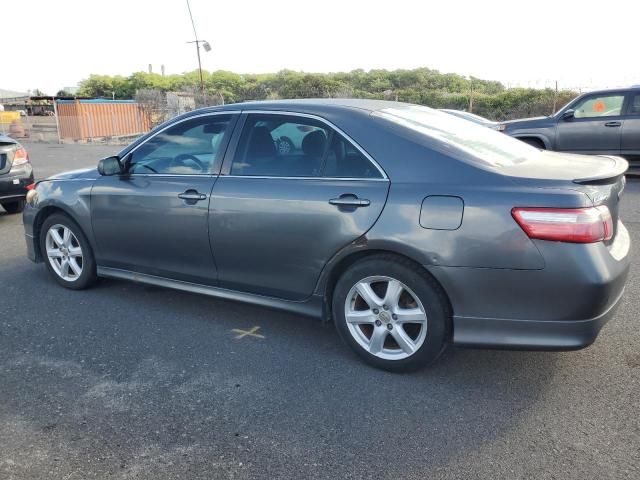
(583, 44)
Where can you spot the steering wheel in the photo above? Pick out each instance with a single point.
(148, 168)
(185, 157)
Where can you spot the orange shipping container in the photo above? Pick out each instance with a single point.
(83, 119)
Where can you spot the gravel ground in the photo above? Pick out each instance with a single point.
(127, 381)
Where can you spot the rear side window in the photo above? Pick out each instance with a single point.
(291, 146)
(280, 146)
(344, 160)
(599, 106)
(634, 106)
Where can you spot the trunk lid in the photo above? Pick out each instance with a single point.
(556, 166)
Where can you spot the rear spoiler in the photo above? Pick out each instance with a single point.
(620, 166)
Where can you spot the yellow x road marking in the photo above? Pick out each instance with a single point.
(251, 332)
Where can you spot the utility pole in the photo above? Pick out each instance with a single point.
(555, 99)
(471, 95)
(204, 43)
(197, 42)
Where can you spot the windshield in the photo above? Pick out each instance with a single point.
(477, 142)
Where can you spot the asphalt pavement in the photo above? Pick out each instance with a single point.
(129, 381)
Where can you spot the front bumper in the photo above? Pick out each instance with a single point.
(32, 252)
(29, 215)
(560, 307)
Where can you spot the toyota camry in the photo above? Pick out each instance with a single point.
(408, 228)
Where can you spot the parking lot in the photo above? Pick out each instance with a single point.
(132, 381)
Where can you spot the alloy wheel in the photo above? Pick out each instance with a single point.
(64, 252)
(385, 317)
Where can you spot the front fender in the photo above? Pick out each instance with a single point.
(544, 138)
(540, 129)
(72, 197)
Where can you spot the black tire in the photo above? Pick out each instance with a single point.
(421, 284)
(88, 275)
(15, 206)
(534, 142)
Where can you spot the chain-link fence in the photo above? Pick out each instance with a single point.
(120, 121)
(159, 106)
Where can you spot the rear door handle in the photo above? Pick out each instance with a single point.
(613, 124)
(192, 196)
(349, 200)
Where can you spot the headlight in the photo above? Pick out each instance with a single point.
(32, 196)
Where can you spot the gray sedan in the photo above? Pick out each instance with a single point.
(410, 229)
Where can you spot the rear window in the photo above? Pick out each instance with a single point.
(473, 141)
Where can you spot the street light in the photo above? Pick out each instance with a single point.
(205, 45)
(207, 48)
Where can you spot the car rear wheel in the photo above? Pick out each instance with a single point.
(391, 313)
(15, 206)
(68, 255)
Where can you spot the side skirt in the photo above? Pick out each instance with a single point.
(311, 307)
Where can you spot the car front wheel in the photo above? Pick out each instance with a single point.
(391, 313)
(68, 255)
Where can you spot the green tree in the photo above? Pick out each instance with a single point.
(421, 85)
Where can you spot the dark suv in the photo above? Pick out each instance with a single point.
(606, 122)
(16, 174)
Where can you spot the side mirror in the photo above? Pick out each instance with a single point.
(110, 166)
(569, 114)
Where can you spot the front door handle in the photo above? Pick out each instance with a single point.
(192, 196)
(613, 124)
(350, 200)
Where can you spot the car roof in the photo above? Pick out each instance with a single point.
(611, 90)
(5, 139)
(321, 107)
(308, 105)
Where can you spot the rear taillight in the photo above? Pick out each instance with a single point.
(575, 225)
(20, 157)
(31, 186)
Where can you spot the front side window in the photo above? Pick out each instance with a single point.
(291, 146)
(187, 148)
(599, 106)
